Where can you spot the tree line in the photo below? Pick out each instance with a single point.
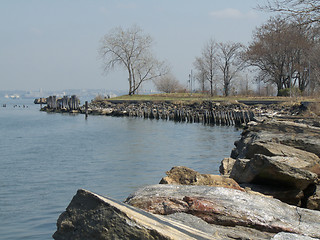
(282, 54)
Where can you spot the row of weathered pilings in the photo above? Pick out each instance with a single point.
(206, 112)
(65, 103)
(215, 117)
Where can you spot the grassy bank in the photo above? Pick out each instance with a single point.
(197, 97)
(312, 104)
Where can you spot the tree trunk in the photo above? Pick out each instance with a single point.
(130, 81)
(226, 89)
(133, 83)
(279, 85)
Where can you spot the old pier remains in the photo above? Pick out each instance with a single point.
(63, 104)
(206, 112)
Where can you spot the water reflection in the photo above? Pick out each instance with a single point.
(47, 157)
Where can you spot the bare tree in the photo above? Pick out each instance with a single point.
(206, 64)
(309, 10)
(131, 49)
(280, 49)
(168, 84)
(312, 72)
(229, 62)
(201, 74)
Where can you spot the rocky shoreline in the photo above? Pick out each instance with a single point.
(268, 188)
(279, 158)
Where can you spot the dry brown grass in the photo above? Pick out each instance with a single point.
(200, 97)
(314, 108)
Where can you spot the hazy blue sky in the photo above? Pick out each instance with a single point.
(53, 44)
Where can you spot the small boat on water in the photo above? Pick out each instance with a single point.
(13, 96)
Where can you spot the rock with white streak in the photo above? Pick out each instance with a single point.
(228, 207)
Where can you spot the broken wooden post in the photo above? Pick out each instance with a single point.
(86, 108)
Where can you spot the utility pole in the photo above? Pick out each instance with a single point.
(190, 81)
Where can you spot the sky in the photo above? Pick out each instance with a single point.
(53, 45)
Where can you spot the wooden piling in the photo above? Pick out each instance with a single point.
(86, 109)
(206, 113)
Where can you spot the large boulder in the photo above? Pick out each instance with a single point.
(304, 142)
(305, 160)
(298, 135)
(90, 216)
(276, 170)
(186, 176)
(228, 207)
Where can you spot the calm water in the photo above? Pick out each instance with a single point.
(45, 158)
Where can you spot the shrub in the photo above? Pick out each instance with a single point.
(168, 84)
(99, 97)
(286, 92)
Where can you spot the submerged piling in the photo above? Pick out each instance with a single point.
(86, 109)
